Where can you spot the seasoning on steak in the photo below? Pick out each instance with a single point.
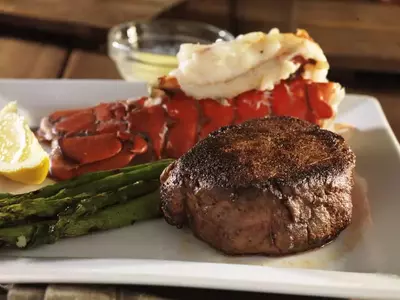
(269, 186)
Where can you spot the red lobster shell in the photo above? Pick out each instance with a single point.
(114, 135)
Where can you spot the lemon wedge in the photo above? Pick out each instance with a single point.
(22, 158)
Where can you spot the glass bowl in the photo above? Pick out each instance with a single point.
(147, 51)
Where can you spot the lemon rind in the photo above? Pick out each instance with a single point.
(34, 167)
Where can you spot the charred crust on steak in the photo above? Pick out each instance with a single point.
(292, 149)
(271, 186)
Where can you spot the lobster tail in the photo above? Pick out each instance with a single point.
(170, 126)
(287, 78)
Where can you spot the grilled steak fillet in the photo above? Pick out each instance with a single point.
(269, 186)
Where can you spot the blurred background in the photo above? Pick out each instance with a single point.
(68, 38)
(85, 38)
(41, 37)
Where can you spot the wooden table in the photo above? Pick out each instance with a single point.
(75, 292)
(65, 44)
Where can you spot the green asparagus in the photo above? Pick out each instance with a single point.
(4, 195)
(27, 236)
(93, 204)
(145, 207)
(95, 201)
(41, 207)
(54, 189)
(51, 206)
(79, 204)
(18, 236)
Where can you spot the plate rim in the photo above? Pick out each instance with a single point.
(290, 281)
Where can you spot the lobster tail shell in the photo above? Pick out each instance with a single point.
(112, 135)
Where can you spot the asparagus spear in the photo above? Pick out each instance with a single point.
(49, 207)
(142, 208)
(148, 172)
(85, 202)
(22, 235)
(38, 208)
(51, 190)
(5, 195)
(93, 204)
(145, 207)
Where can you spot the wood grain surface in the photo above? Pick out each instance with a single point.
(94, 13)
(82, 64)
(360, 35)
(218, 13)
(97, 292)
(25, 59)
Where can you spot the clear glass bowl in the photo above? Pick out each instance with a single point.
(146, 51)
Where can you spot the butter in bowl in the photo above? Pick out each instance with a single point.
(146, 51)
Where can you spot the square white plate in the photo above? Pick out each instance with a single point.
(363, 262)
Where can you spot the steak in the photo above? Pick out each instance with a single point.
(270, 186)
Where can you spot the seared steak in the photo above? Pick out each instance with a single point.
(269, 186)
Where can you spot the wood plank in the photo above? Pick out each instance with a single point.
(354, 34)
(129, 293)
(342, 15)
(213, 12)
(25, 59)
(80, 292)
(359, 48)
(93, 13)
(337, 14)
(365, 35)
(23, 292)
(253, 15)
(112, 292)
(82, 64)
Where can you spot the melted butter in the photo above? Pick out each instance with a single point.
(255, 60)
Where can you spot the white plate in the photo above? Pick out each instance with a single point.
(362, 262)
